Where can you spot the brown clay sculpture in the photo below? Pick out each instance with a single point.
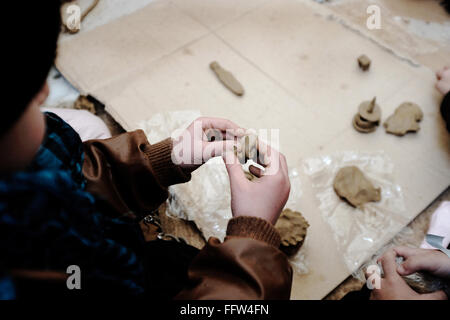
(227, 79)
(352, 185)
(405, 119)
(292, 227)
(364, 62)
(368, 117)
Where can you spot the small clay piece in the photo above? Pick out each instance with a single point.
(227, 79)
(250, 176)
(292, 227)
(370, 111)
(362, 125)
(405, 119)
(351, 184)
(83, 103)
(422, 282)
(368, 117)
(249, 145)
(249, 148)
(364, 62)
(214, 135)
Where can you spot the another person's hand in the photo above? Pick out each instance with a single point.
(264, 197)
(432, 261)
(192, 148)
(393, 287)
(443, 80)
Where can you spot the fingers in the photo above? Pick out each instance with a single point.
(389, 264)
(218, 123)
(442, 86)
(440, 73)
(264, 153)
(234, 169)
(370, 270)
(417, 260)
(255, 171)
(217, 148)
(284, 165)
(277, 164)
(415, 263)
(406, 252)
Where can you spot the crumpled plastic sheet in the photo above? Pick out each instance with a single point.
(402, 238)
(206, 198)
(167, 124)
(358, 233)
(420, 280)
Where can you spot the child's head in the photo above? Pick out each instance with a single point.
(29, 54)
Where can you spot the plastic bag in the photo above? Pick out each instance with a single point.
(206, 198)
(358, 232)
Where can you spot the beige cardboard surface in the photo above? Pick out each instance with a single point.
(418, 30)
(299, 70)
(103, 13)
(215, 13)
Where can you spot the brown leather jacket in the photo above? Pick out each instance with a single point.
(126, 169)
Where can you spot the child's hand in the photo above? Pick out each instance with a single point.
(393, 287)
(264, 197)
(192, 148)
(443, 83)
(432, 261)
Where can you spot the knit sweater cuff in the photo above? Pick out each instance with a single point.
(255, 228)
(163, 167)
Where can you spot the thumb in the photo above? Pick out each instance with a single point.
(414, 263)
(389, 264)
(234, 168)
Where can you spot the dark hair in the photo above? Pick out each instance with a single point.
(29, 50)
(446, 4)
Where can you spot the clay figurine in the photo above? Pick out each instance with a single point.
(364, 62)
(292, 227)
(368, 117)
(83, 103)
(362, 125)
(227, 79)
(214, 135)
(405, 119)
(249, 148)
(352, 185)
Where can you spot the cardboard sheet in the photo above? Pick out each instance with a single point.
(298, 67)
(416, 30)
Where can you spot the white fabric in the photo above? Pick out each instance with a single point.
(87, 125)
(439, 225)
